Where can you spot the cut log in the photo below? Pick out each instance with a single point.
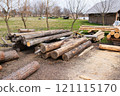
(9, 55)
(47, 33)
(109, 36)
(90, 36)
(26, 30)
(86, 51)
(37, 32)
(67, 56)
(24, 72)
(117, 35)
(46, 55)
(112, 32)
(57, 53)
(0, 67)
(103, 28)
(109, 47)
(48, 38)
(49, 47)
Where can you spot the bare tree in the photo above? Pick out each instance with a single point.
(76, 7)
(104, 7)
(6, 7)
(56, 11)
(24, 10)
(66, 12)
(41, 8)
(35, 9)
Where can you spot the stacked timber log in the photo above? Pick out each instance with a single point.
(8, 55)
(24, 72)
(97, 36)
(34, 38)
(103, 28)
(114, 36)
(110, 47)
(66, 49)
(26, 30)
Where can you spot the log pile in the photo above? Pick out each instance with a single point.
(24, 72)
(29, 39)
(114, 37)
(66, 49)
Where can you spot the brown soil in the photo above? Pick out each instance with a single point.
(96, 64)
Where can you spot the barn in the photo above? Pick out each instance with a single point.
(111, 12)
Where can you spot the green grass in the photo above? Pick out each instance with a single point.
(33, 23)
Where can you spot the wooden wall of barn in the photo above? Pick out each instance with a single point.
(97, 18)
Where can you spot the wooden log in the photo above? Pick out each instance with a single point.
(67, 56)
(47, 33)
(31, 33)
(8, 55)
(49, 47)
(112, 32)
(26, 30)
(57, 53)
(90, 36)
(24, 72)
(117, 35)
(48, 38)
(109, 47)
(46, 55)
(103, 28)
(109, 36)
(0, 67)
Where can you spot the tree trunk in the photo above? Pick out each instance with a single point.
(24, 72)
(8, 28)
(49, 47)
(57, 53)
(73, 24)
(24, 22)
(117, 35)
(48, 38)
(9, 55)
(76, 51)
(47, 15)
(109, 47)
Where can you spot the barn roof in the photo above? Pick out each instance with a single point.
(108, 6)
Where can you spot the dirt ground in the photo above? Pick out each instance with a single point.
(96, 65)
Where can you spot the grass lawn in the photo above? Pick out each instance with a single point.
(34, 23)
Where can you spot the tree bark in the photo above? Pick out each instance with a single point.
(8, 28)
(9, 55)
(49, 47)
(24, 72)
(109, 47)
(24, 22)
(47, 15)
(67, 56)
(57, 53)
(48, 38)
(73, 24)
(44, 33)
